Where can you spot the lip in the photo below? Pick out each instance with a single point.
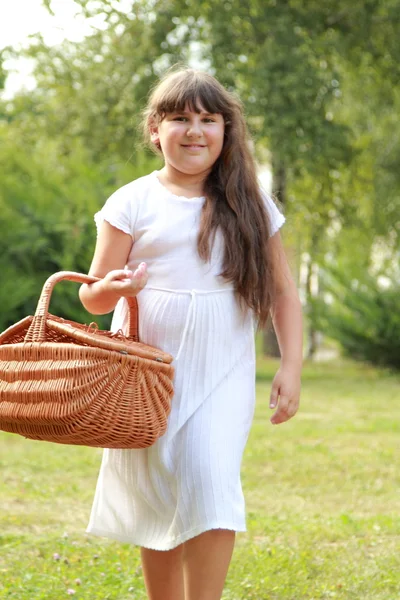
(193, 146)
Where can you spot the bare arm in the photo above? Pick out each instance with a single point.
(287, 313)
(110, 257)
(287, 320)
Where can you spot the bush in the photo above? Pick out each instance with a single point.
(362, 315)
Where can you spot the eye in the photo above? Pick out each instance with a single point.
(208, 120)
(180, 119)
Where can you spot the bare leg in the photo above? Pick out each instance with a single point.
(163, 574)
(206, 561)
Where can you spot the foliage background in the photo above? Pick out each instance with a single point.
(320, 87)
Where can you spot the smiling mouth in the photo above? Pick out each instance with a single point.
(193, 146)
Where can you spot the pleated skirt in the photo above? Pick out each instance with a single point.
(188, 482)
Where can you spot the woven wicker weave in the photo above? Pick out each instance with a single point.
(69, 383)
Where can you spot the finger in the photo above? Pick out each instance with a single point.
(140, 271)
(287, 409)
(133, 286)
(282, 414)
(139, 281)
(120, 274)
(273, 400)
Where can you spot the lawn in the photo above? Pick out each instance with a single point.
(323, 503)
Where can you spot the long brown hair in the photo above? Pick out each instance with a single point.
(234, 201)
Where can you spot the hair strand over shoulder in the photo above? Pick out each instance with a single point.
(234, 200)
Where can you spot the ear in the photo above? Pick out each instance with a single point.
(154, 135)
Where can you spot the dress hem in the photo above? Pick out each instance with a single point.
(173, 542)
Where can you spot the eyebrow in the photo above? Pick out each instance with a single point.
(185, 112)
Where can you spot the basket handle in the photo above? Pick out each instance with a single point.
(37, 329)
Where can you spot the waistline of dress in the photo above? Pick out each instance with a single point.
(189, 292)
(191, 316)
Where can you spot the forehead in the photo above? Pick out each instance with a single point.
(188, 108)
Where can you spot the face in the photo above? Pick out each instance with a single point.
(190, 142)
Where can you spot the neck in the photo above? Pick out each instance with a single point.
(194, 183)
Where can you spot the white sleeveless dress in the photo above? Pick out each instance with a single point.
(188, 482)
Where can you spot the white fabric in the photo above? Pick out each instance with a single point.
(189, 481)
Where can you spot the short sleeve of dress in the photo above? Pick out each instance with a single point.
(119, 210)
(276, 217)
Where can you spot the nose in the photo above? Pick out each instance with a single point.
(194, 129)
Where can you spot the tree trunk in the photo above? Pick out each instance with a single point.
(279, 181)
(270, 343)
(312, 291)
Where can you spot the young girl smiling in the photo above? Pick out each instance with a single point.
(198, 243)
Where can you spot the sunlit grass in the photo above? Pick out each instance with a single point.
(323, 503)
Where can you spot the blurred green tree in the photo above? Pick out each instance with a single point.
(320, 86)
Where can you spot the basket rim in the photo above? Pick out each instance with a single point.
(15, 327)
(100, 341)
(84, 351)
(90, 338)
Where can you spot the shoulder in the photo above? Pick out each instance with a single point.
(122, 208)
(133, 189)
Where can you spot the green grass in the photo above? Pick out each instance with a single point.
(323, 503)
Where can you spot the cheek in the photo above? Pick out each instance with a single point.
(174, 129)
(217, 135)
(218, 140)
(172, 138)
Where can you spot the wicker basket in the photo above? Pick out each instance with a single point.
(64, 382)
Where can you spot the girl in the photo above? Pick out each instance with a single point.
(201, 242)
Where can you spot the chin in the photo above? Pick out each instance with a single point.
(196, 167)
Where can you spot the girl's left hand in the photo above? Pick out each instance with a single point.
(285, 386)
